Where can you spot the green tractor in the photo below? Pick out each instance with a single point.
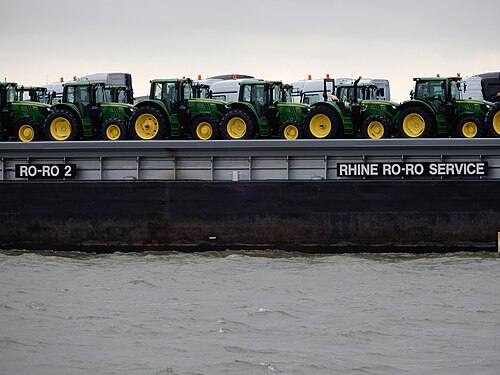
(177, 108)
(435, 108)
(265, 109)
(355, 112)
(21, 119)
(89, 110)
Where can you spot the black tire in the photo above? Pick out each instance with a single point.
(422, 117)
(469, 126)
(26, 130)
(290, 129)
(148, 123)
(376, 127)
(62, 125)
(114, 129)
(237, 124)
(316, 126)
(205, 127)
(493, 120)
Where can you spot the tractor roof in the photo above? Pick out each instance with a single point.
(259, 82)
(170, 80)
(8, 83)
(437, 78)
(83, 83)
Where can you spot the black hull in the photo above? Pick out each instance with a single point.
(308, 216)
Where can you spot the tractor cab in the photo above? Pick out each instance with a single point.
(440, 94)
(172, 92)
(118, 94)
(33, 94)
(86, 96)
(201, 91)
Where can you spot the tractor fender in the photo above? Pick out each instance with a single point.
(248, 108)
(332, 105)
(157, 104)
(417, 103)
(70, 108)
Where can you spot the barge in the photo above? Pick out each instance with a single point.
(306, 195)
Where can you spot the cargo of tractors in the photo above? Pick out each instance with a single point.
(234, 107)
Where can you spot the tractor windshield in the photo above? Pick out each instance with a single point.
(11, 93)
(277, 94)
(165, 91)
(254, 94)
(456, 92)
(188, 91)
(346, 94)
(201, 91)
(287, 92)
(102, 95)
(430, 90)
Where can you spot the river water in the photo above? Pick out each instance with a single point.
(249, 313)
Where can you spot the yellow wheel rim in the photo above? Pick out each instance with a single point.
(496, 122)
(26, 133)
(236, 128)
(320, 126)
(375, 130)
(113, 132)
(469, 129)
(204, 130)
(60, 128)
(414, 125)
(147, 126)
(291, 132)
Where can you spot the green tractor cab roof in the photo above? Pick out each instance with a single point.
(437, 79)
(84, 83)
(170, 80)
(259, 82)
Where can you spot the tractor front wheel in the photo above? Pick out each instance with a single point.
(493, 120)
(376, 127)
(27, 130)
(148, 123)
(469, 126)
(237, 124)
(114, 129)
(204, 127)
(61, 125)
(290, 130)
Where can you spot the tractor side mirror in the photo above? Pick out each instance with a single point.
(412, 94)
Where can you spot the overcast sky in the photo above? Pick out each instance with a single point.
(271, 39)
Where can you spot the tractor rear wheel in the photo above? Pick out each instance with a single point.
(322, 122)
(469, 126)
(148, 123)
(237, 124)
(114, 129)
(27, 130)
(290, 130)
(61, 125)
(493, 120)
(376, 127)
(414, 122)
(204, 127)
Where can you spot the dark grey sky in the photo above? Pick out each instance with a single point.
(287, 40)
